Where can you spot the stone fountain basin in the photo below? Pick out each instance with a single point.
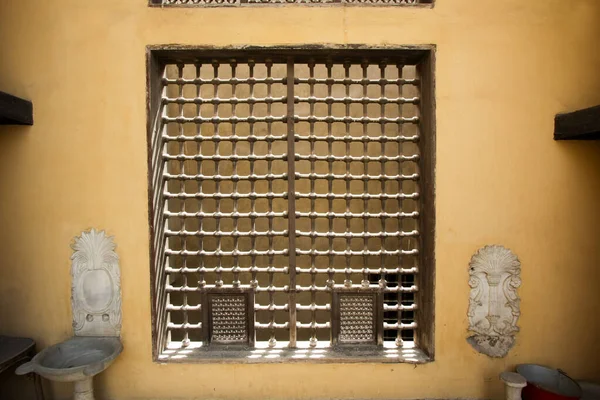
(75, 359)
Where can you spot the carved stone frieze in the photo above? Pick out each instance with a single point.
(494, 309)
(200, 2)
(214, 3)
(96, 285)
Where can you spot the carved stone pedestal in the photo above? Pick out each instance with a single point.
(84, 390)
(514, 384)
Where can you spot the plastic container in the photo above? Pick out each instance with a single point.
(545, 383)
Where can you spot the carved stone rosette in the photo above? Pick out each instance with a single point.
(494, 276)
(96, 285)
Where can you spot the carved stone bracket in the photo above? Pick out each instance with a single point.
(494, 305)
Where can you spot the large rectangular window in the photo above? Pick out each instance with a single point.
(292, 203)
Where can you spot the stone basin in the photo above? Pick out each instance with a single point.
(75, 359)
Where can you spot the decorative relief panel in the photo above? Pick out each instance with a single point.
(200, 2)
(96, 285)
(494, 303)
(214, 3)
(390, 2)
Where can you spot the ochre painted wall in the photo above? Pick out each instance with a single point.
(504, 69)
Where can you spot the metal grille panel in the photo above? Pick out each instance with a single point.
(247, 143)
(357, 318)
(229, 319)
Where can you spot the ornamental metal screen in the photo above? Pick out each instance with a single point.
(287, 201)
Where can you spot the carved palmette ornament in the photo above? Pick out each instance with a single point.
(96, 285)
(494, 305)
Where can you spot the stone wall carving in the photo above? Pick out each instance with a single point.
(494, 309)
(96, 285)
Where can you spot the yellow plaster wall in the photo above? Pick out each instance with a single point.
(504, 68)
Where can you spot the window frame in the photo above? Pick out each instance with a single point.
(423, 56)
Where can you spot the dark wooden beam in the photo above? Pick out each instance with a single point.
(578, 125)
(15, 111)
